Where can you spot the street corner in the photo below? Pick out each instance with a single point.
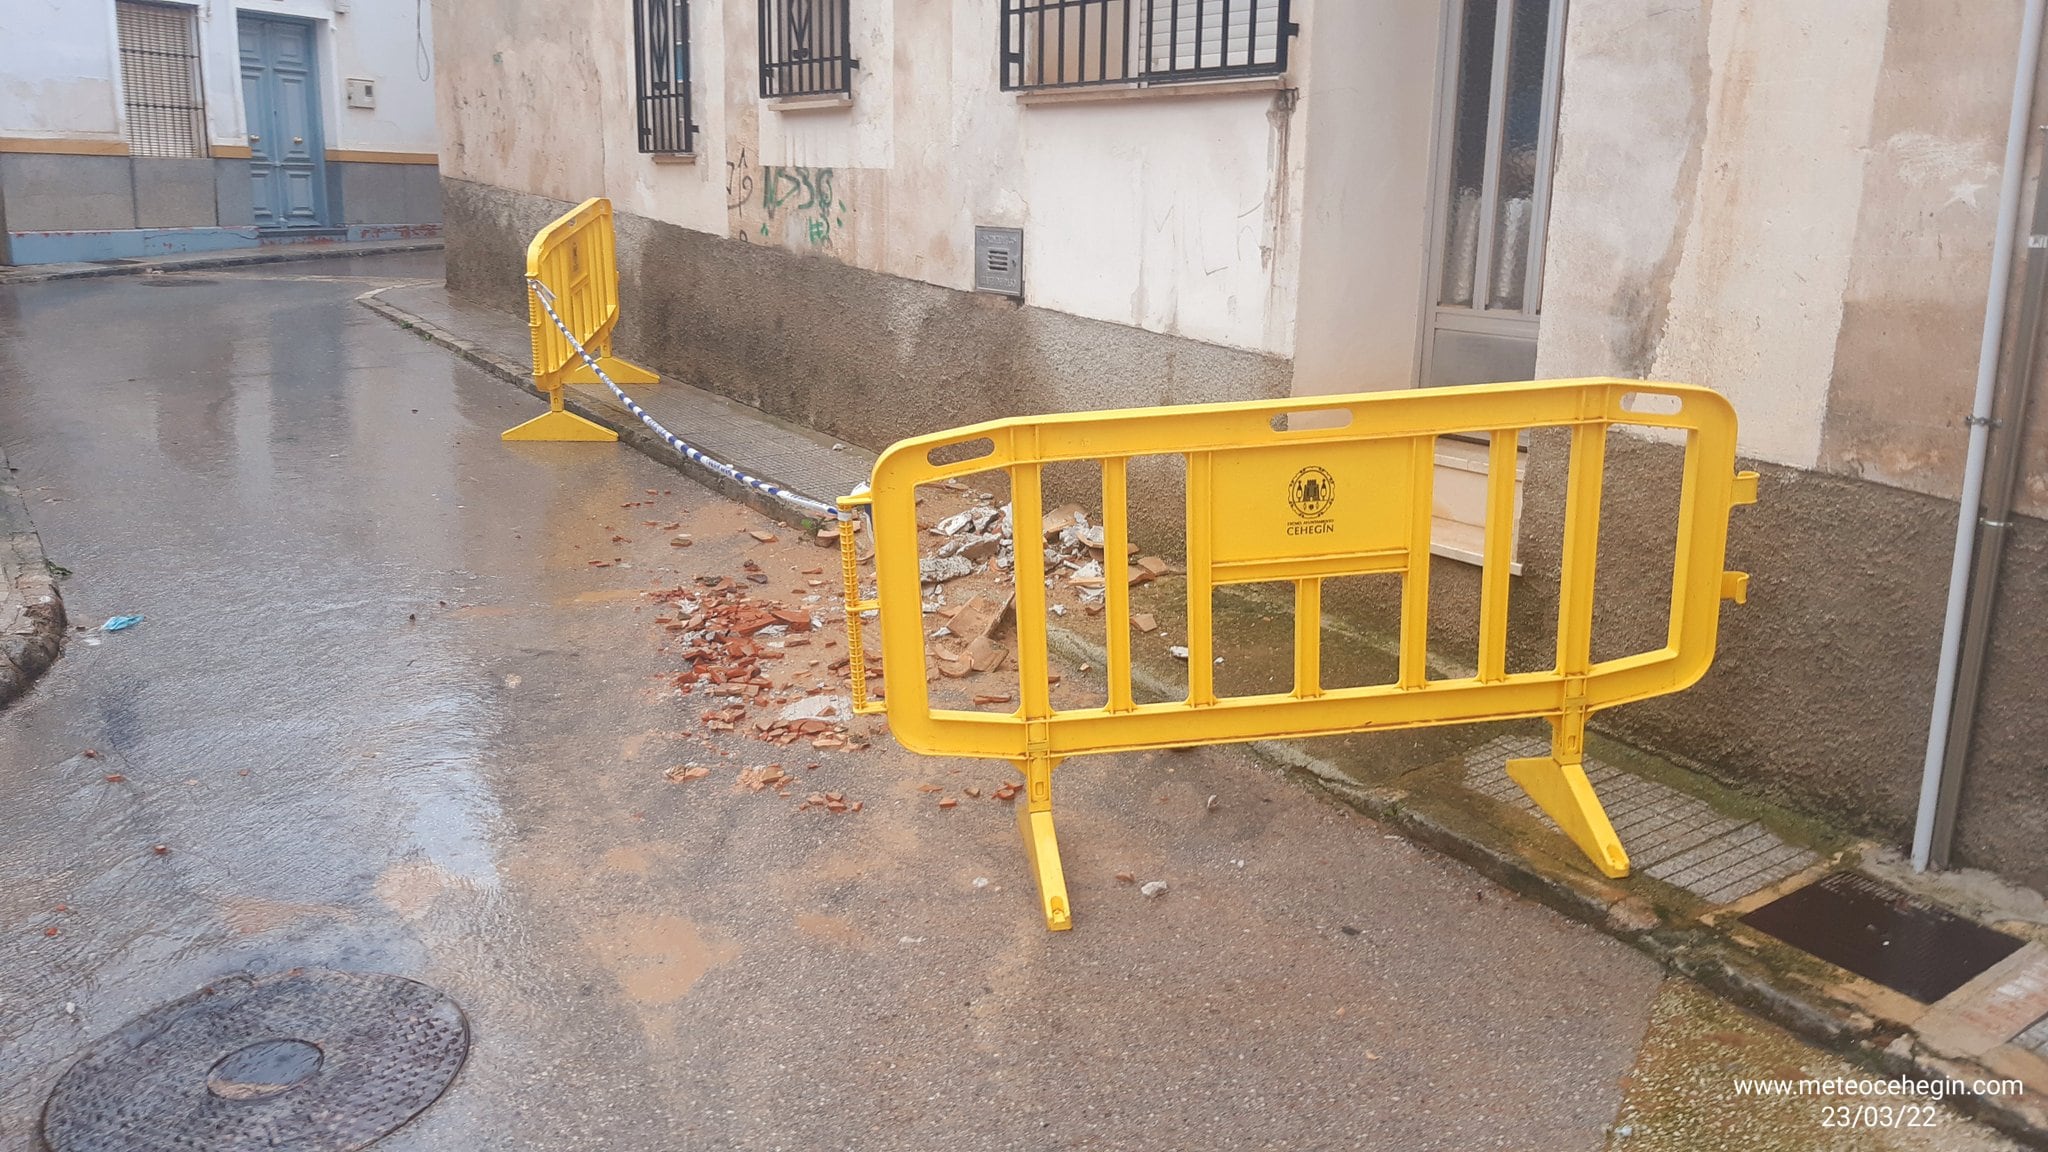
(32, 619)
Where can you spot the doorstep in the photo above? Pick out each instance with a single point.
(235, 257)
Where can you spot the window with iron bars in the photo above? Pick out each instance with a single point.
(806, 48)
(160, 79)
(1073, 43)
(661, 57)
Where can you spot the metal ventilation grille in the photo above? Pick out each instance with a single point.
(999, 260)
(160, 80)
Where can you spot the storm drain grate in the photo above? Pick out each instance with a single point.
(311, 1060)
(1884, 934)
(2035, 1038)
(1670, 836)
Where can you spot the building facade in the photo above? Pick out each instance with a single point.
(885, 217)
(131, 128)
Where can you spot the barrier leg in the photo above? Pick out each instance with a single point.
(622, 372)
(558, 423)
(1558, 785)
(1034, 820)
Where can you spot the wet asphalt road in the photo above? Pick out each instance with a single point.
(474, 797)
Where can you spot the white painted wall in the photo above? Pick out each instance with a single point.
(60, 70)
(1705, 232)
(57, 70)
(1168, 213)
(1366, 201)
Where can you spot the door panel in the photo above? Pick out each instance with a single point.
(282, 97)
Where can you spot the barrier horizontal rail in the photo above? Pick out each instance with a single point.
(1302, 506)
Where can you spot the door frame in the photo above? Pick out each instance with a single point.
(317, 114)
(1477, 319)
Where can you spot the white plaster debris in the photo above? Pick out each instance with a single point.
(939, 569)
(818, 708)
(1153, 888)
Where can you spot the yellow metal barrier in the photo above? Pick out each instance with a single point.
(1304, 506)
(576, 258)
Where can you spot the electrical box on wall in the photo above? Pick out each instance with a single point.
(362, 93)
(999, 260)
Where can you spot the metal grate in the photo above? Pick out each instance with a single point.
(160, 79)
(310, 1059)
(806, 48)
(1884, 934)
(661, 57)
(1072, 43)
(999, 260)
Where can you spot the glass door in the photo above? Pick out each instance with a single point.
(1496, 122)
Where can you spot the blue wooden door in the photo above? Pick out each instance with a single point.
(281, 96)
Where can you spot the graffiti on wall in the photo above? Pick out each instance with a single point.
(802, 198)
(792, 207)
(739, 181)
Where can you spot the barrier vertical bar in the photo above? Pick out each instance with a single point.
(1415, 581)
(1581, 548)
(1308, 637)
(1497, 556)
(1201, 549)
(1027, 504)
(1557, 782)
(1116, 546)
(1034, 694)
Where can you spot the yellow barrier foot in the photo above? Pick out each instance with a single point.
(1566, 796)
(560, 426)
(1043, 847)
(1034, 820)
(622, 372)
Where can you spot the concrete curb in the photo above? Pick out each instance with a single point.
(42, 274)
(1672, 934)
(31, 608)
(631, 432)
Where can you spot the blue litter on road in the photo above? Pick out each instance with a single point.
(120, 623)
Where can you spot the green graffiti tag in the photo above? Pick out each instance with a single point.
(802, 192)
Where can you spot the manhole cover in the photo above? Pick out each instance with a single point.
(1884, 934)
(310, 1060)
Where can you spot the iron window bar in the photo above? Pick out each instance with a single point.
(806, 48)
(160, 80)
(1080, 43)
(661, 58)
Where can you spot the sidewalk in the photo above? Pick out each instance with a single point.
(790, 455)
(1711, 865)
(31, 609)
(200, 262)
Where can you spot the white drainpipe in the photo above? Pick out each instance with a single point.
(1980, 431)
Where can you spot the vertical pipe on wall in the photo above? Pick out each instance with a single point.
(2005, 460)
(1967, 507)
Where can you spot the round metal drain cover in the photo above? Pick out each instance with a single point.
(311, 1060)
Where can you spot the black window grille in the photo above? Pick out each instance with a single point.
(806, 48)
(1071, 43)
(160, 80)
(661, 43)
